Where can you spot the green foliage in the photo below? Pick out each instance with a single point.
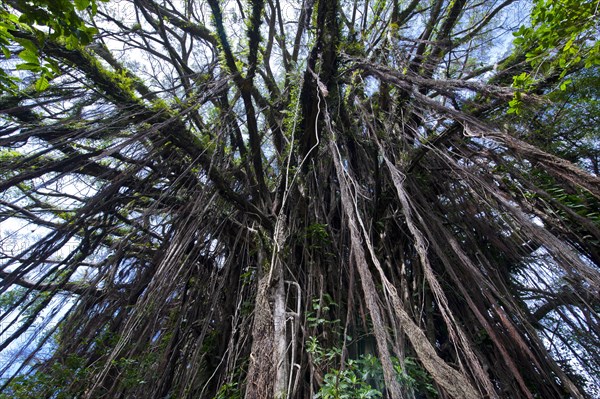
(27, 301)
(522, 82)
(317, 236)
(9, 298)
(567, 127)
(48, 383)
(229, 391)
(133, 371)
(515, 106)
(363, 377)
(349, 381)
(411, 374)
(7, 21)
(65, 378)
(64, 23)
(579, 201)
(356, 378)
(340, 384)
(561, 35)
(320, 309)
(62, 17)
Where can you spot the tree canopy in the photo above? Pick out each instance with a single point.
(328, 199)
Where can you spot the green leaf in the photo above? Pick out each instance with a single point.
(29, 66)
(29, 57)
(71, 42)
(51, 65)
(82, 4)
(42, 83)
(27, 44)
(563, 85)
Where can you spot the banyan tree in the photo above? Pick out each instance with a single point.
(314, 199)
